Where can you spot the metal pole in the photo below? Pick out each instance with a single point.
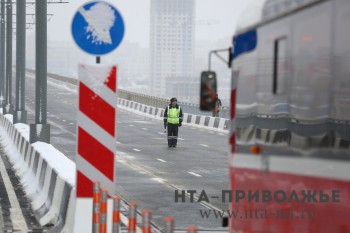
(8, 89)
(96, 207)
(98, 60)
(2, 54)
(40, 131)
(20, 115)
(116, 214)
(209, 60)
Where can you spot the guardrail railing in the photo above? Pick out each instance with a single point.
(148, 100)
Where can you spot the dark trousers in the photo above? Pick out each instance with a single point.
(173, 130)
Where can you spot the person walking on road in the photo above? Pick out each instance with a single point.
(217, 107)
(173, 120)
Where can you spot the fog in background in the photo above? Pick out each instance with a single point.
(215, 24)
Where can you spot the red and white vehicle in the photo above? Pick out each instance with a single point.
(291, 73)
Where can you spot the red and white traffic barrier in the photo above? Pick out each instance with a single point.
(234, 82)
(169, 224)
(116, 214)
(96, 208)
(132, 217)
(103, 211)
(96, 138)
(146, 221)
(192, 229)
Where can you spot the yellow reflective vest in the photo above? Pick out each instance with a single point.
(174, 115)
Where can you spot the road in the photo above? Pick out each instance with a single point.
(148, 172)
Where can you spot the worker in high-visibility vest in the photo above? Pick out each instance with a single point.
(173, 120)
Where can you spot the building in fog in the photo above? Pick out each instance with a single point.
(171, 46)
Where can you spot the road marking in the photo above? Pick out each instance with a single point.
(161, 133)
(118, 142)
(136, 150)
(144, 128)
(64, 120)
(121, 161)
(195, 174)
(203, 145)
(139, 168)
(181, 139)
(71, 123)
(131, 125)
(160, 180)
(161, 160)
(18, 220)
(221, 134)
(53, 123)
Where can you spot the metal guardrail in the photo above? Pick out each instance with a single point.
(152, 101)
(163, 102)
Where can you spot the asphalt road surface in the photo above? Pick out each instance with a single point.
(148, 172)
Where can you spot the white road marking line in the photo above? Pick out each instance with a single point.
(131, 125)
(195, 174)
(161, 160)
(64, 120)
(160, 180)
(181, 139)
(203, 145)
(118, 142)
(121, 161)
(17, 217)
(71, 123)
(221, 134)
(136, 150)
(161, 133)
(144, 128)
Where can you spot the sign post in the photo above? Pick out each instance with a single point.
(97, 29)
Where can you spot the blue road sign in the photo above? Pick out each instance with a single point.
(97, 28)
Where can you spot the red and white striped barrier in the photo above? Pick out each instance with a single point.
(116, 214)
(169, 224)
(103, 211)
(233, 111)
(96, 138)
(96, 208)
(132, 217)
(146, 221)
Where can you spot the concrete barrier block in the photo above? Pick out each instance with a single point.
(211, 122)
(40, 200)
(202, 120)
